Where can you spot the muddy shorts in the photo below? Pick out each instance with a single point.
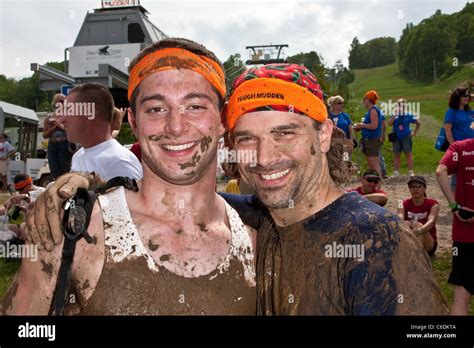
(371, 147)
(462, 271)
(404, 145)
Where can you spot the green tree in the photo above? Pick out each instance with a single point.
(438, 45)
(233, 67)
(314, 62)
(376, 52)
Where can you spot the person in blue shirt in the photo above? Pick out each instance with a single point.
(341, 119)
(371, 131)
(401, 121)
(383, 169)
(459, 119)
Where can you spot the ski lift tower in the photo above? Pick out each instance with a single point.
(109, 38)
(266, 54)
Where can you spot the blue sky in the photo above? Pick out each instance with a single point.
(34, 31)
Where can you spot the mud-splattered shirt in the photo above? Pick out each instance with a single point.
(351, 258)
(132, 283)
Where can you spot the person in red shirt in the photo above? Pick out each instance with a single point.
(420, 213)
(370, 188)
(137, 151)
(459, 160)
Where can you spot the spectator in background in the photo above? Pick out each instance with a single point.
(404, 136)
(100, 153)
(459, 120)
(340, 118)
(22, 200)
(371, 127)
(238, 187)
(59, 154)
(6, 150)
(459, 160)
(420, 213)
(116, 123)
(24, 190)
(383, 169)
(137, 151)
(370, 189)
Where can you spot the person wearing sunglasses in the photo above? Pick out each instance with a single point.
(341, 119)
(370, 188)
(459, 120)
(420, 213)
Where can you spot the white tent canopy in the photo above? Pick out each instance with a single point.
(18, 112)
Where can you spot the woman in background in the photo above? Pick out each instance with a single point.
(371, 131)
(341, 119)
(59, 155)
(459, 120)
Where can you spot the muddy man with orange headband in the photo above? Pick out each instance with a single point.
(277, 111)
(175, 247)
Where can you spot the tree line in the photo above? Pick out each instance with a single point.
(437, 46)
(376, 52)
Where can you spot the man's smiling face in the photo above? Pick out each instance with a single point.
(177, 122)
(289, 154)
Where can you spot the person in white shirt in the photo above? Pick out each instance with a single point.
(6, 150)
(87, 114)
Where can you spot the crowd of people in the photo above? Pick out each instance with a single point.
(274, 252)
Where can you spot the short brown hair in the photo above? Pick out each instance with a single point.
(186, 44)
(98, 94)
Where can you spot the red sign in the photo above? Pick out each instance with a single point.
(120, 3)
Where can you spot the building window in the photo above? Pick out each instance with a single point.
(135, 33)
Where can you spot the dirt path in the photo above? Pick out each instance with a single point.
(397, 189)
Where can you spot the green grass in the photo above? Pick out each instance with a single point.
(8, 270)
(433, 99)
(442, 268)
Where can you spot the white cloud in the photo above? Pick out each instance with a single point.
(33, 31)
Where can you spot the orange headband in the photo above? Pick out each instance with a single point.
(22, 184)
(177, 58)
(271, 91)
